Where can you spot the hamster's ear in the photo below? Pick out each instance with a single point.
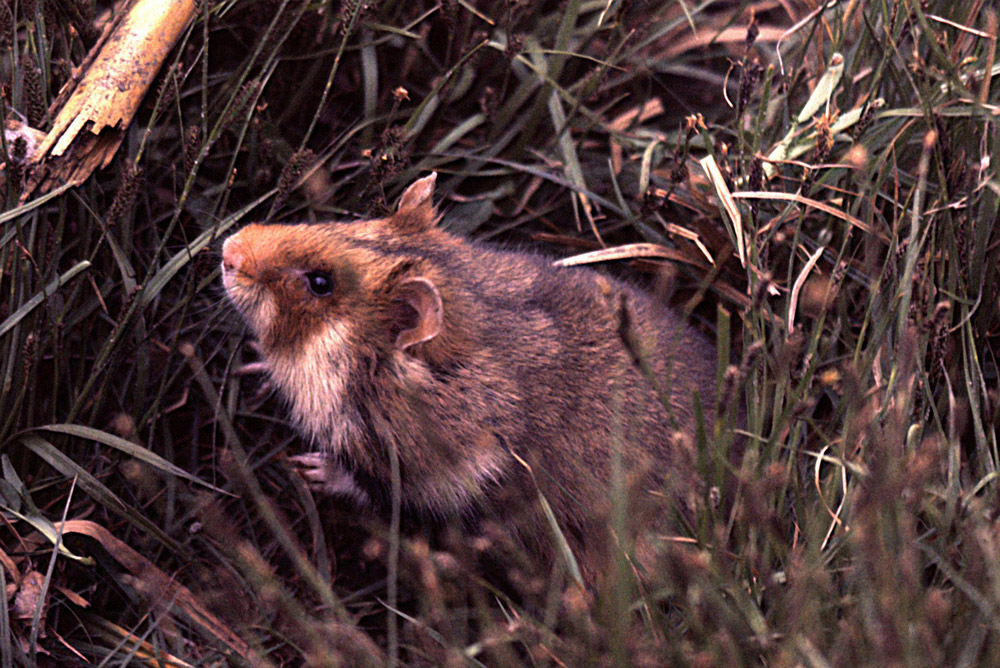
(416, 207)
(422, 320)
(419, 193)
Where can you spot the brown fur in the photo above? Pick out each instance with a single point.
(463, 356)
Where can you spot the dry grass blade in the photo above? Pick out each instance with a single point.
(164, 588)
(793, 300)
(732, 211)
(623, 253)
(140, 649)
(816, 204)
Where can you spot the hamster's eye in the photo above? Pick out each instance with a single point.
(320, 283)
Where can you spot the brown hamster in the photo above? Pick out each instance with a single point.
(468, 359)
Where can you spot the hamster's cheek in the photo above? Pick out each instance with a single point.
(256, 305)
(314, 376)
(326, 343)
(265, 314)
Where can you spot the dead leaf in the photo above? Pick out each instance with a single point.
(10, 566)
(29, 598)
(17, 128)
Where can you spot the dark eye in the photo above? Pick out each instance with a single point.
(320, 283)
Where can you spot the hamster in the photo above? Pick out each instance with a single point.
(494, 374)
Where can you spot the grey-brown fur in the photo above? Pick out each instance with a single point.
(465, 358)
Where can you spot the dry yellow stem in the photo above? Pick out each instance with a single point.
(109, 93)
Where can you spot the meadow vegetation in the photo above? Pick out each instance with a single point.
(812, 182)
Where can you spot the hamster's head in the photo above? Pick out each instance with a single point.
(320, 297)
(293, 283)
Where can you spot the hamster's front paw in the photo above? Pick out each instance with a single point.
(324, 475)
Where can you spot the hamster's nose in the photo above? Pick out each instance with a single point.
(232, 258)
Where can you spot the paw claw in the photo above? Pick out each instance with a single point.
(324, 475)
